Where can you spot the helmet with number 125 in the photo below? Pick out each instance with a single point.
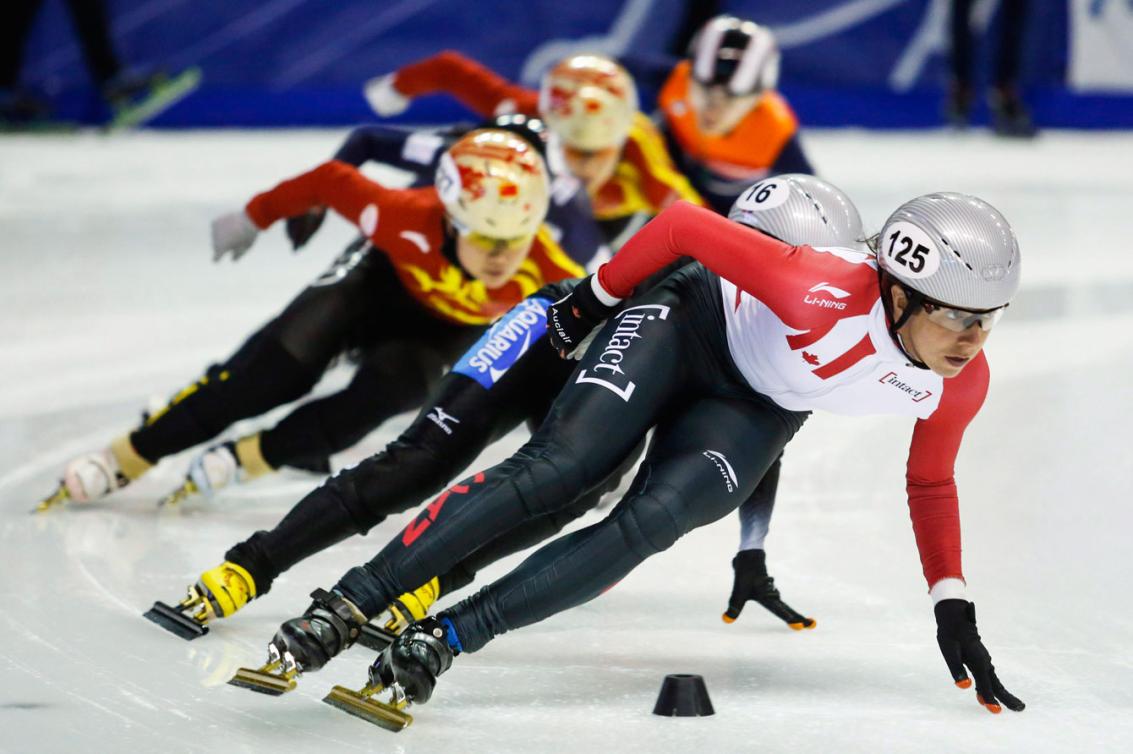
(953, 249)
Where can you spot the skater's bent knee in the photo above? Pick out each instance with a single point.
(652, 521)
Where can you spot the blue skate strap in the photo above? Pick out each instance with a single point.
(451, 637)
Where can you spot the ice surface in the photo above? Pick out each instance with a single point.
(108, 300)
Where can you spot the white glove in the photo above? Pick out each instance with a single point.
(232, 233)
(383, 96)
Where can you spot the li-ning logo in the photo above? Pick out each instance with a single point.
(609, 361)
(439, 417)
(826, 303)
(917, 395)
(725, 468)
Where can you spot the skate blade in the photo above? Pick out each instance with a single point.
(162, 97)
(176, 622)
(360, 705)
(376, 638)
(264, 681)
(179, 495)
(58, 497)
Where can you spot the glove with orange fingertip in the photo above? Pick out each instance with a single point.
(753, 583)
(963, 650)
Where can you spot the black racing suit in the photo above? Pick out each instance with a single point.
(667, 365)
(358, 307)
(508, 377)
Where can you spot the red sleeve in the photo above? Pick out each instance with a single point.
(477, 87)
(758, 264)
(933, 503)
(336, 185)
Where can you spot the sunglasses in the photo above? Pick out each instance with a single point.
(959, 320)
(491, 243)
(589, 154)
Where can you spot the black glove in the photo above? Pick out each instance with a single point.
(960, 644)
(300, 228)
(753, 583)
(573, 317)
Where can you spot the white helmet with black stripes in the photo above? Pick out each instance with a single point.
(739, 55)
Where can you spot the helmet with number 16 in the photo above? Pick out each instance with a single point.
(800, 209)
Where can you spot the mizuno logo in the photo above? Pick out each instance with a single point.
(827, 288)
(439, 417)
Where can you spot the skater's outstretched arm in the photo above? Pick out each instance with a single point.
(353, 196)
(474, 85)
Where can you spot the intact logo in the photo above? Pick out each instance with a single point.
(505, 342)
(725, 468)
(917, 395)
(826, 303)
(607, 372)
(439, 417)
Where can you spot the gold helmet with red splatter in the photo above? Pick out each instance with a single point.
(589, 101)
(494, 183)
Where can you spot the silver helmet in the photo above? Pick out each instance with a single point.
(954, 249)
(800, 209)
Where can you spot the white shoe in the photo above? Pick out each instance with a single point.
(93, 476)
(214, 470)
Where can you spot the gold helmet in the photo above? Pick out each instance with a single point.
(589, 101)
(494, 184)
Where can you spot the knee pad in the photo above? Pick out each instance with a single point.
(652, 520)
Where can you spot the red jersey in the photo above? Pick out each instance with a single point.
(407, 225)
(645, 179)
(806, 327)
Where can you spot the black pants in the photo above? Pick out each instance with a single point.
(1011, 25)
(662, 361)
(357, 307)
(470, 409)
(91, 25)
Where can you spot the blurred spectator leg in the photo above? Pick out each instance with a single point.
(93, 28)
(1009, 113)
(958, 108)
(16, 106)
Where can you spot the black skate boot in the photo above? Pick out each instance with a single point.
(408, 668)
(753, 583)
(330, 625)
(1009, 114)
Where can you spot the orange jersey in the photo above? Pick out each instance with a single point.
(645, 180)
(407, 225)
(750, 147)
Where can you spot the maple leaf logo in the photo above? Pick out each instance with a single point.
(810, 358)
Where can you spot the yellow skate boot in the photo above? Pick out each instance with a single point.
(412, 606)
(408, 608)
(218, 593)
